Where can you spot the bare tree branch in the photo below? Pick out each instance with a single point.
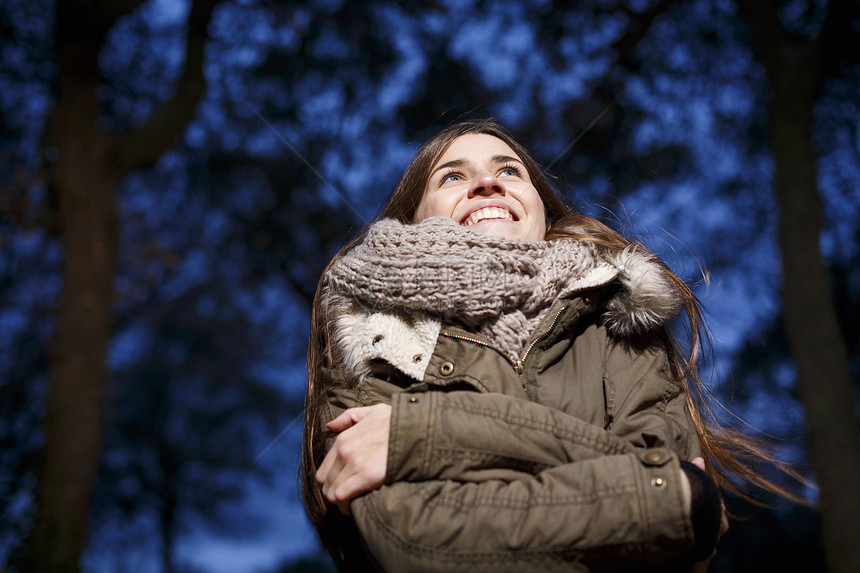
(143, 146)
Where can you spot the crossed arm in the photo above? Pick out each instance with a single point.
(563, 465)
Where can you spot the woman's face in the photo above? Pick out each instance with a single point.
(481, 183)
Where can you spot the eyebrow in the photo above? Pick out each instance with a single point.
(464, 162)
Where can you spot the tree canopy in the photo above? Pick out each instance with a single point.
(176, 174)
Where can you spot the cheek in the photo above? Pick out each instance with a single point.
(418, 216)
(535, 205)
(420, 210)
(432, 205)
(538, 216)
(537, 227)
(542, 212)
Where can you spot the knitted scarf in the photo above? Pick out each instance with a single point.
(496, 286)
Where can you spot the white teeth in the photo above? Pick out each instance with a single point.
(488, 213)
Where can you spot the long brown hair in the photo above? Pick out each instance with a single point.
(727, 452)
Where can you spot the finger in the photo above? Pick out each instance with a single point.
(336, 462)
(351, 471)
(324, 470)
(347, 418)
(352, 416)
(334, 481)
(343, 493)
(357, 457)
(699, 463)
(345, 459)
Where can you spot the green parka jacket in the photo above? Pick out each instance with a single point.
(566, 459)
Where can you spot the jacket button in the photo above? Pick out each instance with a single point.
(658, 482)
(653, 457)
(446, 369)
(413, 399)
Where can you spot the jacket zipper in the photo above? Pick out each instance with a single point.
(518, 363)
(542, 334)
(515, 363)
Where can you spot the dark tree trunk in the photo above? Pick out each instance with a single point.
(795, 70)
(83, 176)
(84, 167)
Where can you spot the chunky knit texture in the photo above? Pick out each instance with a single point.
(496, 286)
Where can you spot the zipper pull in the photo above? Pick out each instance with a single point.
(518, 366)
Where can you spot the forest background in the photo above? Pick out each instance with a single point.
(175, 174)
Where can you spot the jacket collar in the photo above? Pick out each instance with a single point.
(640, 300)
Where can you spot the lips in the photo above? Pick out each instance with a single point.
(488, 213)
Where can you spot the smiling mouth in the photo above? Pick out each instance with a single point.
(488, 214)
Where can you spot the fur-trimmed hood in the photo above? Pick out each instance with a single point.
(646, 299)
(400, 332)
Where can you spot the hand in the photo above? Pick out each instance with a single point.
(357, 461)
(702, 566)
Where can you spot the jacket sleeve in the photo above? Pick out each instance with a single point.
(584, 499)
(450, 435)
(471, 436)
(645, 407)
(595, 514)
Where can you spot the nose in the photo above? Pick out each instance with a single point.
(486, 183)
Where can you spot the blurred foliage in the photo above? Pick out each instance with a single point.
(651, 114)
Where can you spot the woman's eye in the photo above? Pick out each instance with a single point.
(509, 172)
(451, 177)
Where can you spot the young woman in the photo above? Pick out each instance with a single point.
(493, 384)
